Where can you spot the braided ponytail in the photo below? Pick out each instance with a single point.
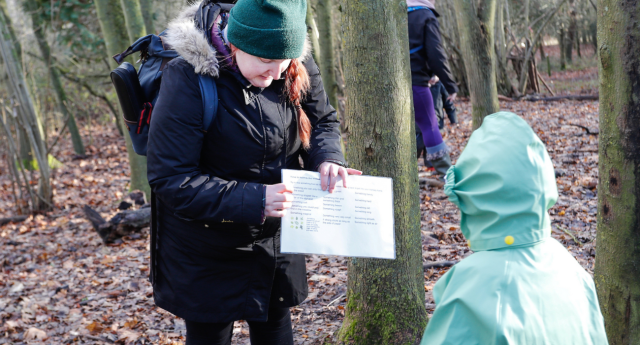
(296, 86)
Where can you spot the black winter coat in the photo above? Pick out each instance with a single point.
(213, 259)
(427, 54)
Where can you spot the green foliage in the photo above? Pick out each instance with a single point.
(32, 164)
(76, 26)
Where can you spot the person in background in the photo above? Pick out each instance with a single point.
(442, 102)
(520, 285)
(428, 59)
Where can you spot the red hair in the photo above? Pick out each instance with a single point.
(296, 86)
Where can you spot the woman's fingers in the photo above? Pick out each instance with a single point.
(354, 171)
(333, 177)
(276, 213)
(324, 175)
(343, 173)
(282, 197)
(280, 205)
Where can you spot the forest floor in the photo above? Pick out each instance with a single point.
(58, 281)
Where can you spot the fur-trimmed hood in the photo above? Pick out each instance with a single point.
(188, 41)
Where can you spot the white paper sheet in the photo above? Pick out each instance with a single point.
(354, 221)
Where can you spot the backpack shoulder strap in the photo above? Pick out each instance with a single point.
(209, 99)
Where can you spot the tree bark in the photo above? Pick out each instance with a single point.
(324, 12)
(563, 51)
(133, 19)
(476, 27)
(571, 32)
(27, 115)
(385, 297)
(312, 29)
(146, 6)
(61, 96)
(617, 274)
(116, 38)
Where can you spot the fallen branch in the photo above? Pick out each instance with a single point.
(431, 182)
(16, 219)
(439, 264)
(573, 237)
(546, 85)
(586, 129)
(122, 224)
(336, 300)
(561, 98)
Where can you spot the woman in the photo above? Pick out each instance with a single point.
(218, 196)
(428, 59)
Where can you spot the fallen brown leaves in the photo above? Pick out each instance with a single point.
(59, 284)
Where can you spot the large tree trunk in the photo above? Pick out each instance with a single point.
(324, 12)
(475, 22)
(117, 39)
(27, 118)
(61, 96)
(385, 297)
(617, 273)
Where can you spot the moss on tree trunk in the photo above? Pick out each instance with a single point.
(385, 297)
(475, 20)
(617, 273)
(116, 38)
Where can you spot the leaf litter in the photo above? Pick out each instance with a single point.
(60, 285)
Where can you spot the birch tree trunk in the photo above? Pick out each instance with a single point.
(112, 24)
(475, 20)
(61, 97)
(617, 273)
(27, 116)
(385, 297)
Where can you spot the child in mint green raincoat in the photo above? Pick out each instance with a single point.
(520, 286)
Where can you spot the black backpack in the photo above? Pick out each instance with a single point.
(138, 90)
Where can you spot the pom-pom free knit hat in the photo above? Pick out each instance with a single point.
(270, 29)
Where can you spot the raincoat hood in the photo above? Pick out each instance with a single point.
(503, 183)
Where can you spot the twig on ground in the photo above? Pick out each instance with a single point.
(16, 219)
(573, 237)
(585, 128)
(335, 300)
(439, 264)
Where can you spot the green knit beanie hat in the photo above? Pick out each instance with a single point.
(270, 29)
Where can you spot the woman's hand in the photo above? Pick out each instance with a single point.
(277, 200)
(329, 175)
(452, 97)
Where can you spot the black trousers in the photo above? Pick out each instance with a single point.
(276, 331)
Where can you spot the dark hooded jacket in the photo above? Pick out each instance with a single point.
(427, 54)
(213, 259)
